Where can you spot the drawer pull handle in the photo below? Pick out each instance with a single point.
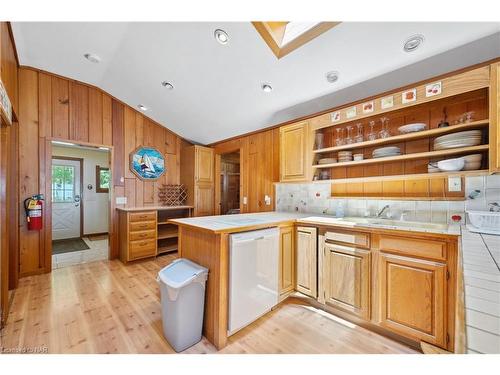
(144, 243)
(142, 235)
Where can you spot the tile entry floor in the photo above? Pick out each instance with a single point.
(481, 260)
(98, 250)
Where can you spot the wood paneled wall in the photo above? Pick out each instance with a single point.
(53, 107)
(8, 172)
(259, 168)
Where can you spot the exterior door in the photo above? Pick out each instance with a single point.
(66, 198)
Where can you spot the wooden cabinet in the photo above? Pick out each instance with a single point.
(295, 149)
(286, 261)
(197, 174)
(346, 279)
(413, 298)
(494, 151)
(306, 261)
(138, 232)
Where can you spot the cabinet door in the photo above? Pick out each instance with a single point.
(204, 169)
(286, 271)
(204, 204)
(294, 160)
(412, 298)
(306, 261)
(347, 279)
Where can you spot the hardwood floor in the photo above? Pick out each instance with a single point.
(107, 307)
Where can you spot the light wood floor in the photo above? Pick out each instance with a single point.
(107, 307)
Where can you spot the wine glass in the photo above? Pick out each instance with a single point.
(349, 138)
(384, 132)
(359, 135)
(339, 140)
(372, 135)
(469, 116)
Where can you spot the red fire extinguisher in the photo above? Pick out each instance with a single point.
(34, 211)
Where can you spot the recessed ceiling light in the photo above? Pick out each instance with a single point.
(266, 87)
(142, 107)
(413, 42)
(92, 58)
(167, 85)
(332, 76)
(221, 36)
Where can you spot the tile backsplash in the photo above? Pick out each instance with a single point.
(315, 198)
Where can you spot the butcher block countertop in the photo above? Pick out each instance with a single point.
(246, 222)
(153, 208)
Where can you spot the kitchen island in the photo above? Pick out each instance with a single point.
(359, 268)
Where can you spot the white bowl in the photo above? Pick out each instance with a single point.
(451, 165)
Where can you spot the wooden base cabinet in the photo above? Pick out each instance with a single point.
(306, 268)
(346, 279)
(412, 298)
(286, 261)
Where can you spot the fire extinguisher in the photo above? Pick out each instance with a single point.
(34, 211)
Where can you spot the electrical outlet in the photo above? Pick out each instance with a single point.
(454, 184)
(121, 200)
(267, 200)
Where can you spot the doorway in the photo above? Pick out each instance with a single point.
(80, 203)
(230, 183)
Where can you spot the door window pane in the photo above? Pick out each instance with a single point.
(63, 182)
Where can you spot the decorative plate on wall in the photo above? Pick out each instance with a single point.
(147, 163)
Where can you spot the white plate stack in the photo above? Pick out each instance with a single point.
(461, 139)
(345, 156)
(327, 161)
(411, 128)
(386, 151)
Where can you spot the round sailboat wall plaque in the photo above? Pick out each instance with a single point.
(147, 163)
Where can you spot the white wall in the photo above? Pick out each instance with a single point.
(95, 205)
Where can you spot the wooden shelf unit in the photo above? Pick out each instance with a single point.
(414, 156)
(167, 237)
(409, 136)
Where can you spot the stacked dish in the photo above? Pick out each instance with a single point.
(386, 151)
(451, 165)
(411, 128)
(327, 161)
(472, 162)
(345, 156)
(460, 139)
(433, 168)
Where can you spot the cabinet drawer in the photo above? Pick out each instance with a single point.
(358, 239)
(142, 216)
(142, 225)
(411, 246)
(142, 235)
(141, 249)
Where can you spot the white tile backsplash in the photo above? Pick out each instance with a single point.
(315, 198)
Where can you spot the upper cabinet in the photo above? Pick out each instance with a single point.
(495, 118)
(204, 162)
(295, 149)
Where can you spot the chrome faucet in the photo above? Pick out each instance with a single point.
(381, 212)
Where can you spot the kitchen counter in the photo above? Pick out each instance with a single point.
(153, 208)
(244, 222)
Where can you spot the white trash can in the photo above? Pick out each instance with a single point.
(182, 288)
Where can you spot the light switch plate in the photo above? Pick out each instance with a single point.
(454, 184)
(121, 200)
(267, 199)
(245, 200)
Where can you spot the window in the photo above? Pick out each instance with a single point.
(63, 179)
(102, 179)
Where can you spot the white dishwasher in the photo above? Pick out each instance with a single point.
(253, 276)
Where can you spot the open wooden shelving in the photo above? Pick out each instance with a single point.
(170, 233)
(414, 156)
(408, 137)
